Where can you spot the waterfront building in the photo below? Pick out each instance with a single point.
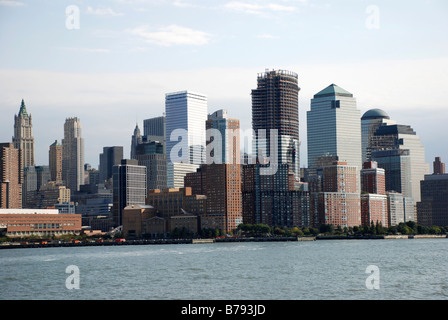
(23, 138)
(272, 199)
(110, 157)
(73, 154)
(339, 202)
(221, 184)
(186, 114)
(137, 222)
(129, 187)
(55, 161)
(370, 122)
(432, 210)
(275, 106)
(11, 176)
(334, 127)
(373, 195)
(45, 222)
(400, 208)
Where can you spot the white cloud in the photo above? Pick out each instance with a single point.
(171, 35)
(103, 11)
(258, 9)
(11, 3)
(266, 36)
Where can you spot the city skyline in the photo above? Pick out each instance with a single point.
(115, 69)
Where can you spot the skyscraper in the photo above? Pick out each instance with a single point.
(55, 161)
(129, 187)
(23, 136)
(373, 197)
(398, 150)
(229, 132)
(73, 154)
(110, 157)
(334, 127)
(11, 176)
(432, 210)
(370, 122)
(186, 113)
(275, 106)
(135, 140)
(438, 166)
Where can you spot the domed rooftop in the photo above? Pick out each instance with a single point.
(375, 114)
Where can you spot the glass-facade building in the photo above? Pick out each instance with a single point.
(334, 127)
(186, 111)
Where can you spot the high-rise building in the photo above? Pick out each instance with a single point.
(339, 203)
(154, 130)
(11, 176)
(129, 187)
(275, 106)
(370, 122)
(73, 154)
(55, 161)
(432, 210)
(334, 127)
(23, 136)
(135, 140)
(221, 184)
(229, 133)
(186, 113)
(272, 199)
(33, 179)
(438, 166)
(400, 208)
(398, 150)
(373, 196)
(151, 155)
(110, 157)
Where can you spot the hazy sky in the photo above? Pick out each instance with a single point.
(113, 68)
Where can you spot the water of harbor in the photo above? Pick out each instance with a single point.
(403, 269)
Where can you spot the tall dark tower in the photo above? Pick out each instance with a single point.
(275, 105)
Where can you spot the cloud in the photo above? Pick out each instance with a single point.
(266, 36)
(11, 3)
(103, 11)
(172, 35)
(258, 9)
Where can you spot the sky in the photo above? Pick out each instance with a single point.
(110, 63)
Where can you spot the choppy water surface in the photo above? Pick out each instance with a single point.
(333, 269)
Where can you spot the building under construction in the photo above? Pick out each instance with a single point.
(275, 105)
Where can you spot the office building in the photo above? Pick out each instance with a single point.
(73, 154)
(186, 113)
(432, 210)
(110, 157)
(400, 208)
(334, 127)
(370, 122)
(129, 187)
(151, 155)
(55, 161)
(398, 150)
(11, 176)
(33, 179)
(135, 140)
(438, 166)
(23, 138)
(275, 106)
(227, 144)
